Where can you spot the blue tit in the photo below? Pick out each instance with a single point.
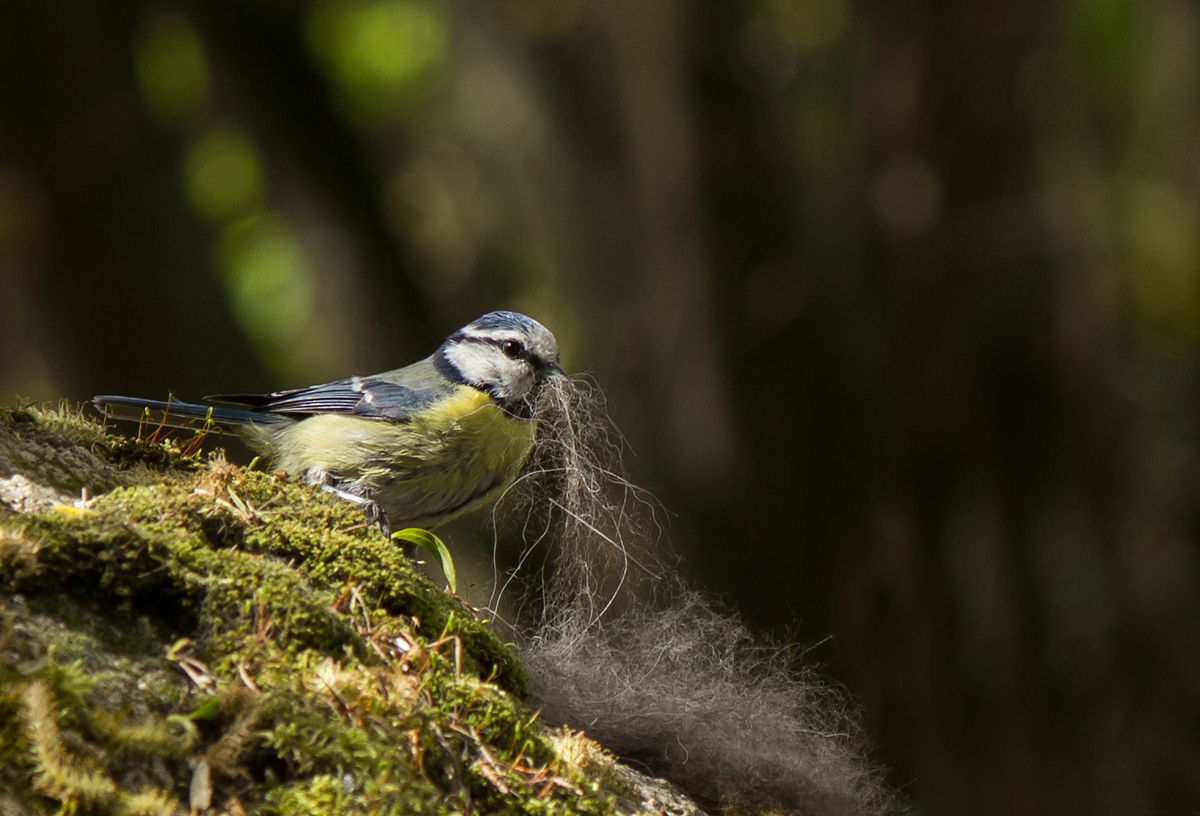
(423, 444)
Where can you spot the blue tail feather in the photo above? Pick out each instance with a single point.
(174, 414)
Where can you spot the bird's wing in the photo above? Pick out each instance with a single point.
(393, 396)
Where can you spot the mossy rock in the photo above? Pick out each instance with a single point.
(178, 633)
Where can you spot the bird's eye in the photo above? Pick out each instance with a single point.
(513, 348)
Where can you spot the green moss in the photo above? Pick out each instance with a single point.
(229, 550)
(63, 450)
(198, 633)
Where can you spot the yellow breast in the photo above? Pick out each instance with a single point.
(456, 455)
(471, 424)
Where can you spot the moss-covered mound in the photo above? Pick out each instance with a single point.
(179, 634)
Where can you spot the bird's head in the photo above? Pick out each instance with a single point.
(506, 354)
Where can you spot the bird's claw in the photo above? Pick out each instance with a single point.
(370, 508)
(375, 515)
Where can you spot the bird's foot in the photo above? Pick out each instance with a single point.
(370, 508)
(375, 515)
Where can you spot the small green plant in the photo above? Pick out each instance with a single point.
(435, 547)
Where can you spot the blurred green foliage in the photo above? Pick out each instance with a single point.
(378, 54)
(269, 281)
(172, 69)
(224, 174)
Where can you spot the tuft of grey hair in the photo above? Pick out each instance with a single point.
(622, 650)
(687, 693)
(602, 536)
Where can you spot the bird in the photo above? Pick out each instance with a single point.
(416, 446)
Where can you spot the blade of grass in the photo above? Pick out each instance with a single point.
(428, 541)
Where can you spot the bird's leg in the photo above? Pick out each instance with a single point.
(375, 515)
(370, 507)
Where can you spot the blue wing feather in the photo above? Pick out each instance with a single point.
(393, 396)
(379, 397)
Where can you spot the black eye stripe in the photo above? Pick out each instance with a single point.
(498, 342)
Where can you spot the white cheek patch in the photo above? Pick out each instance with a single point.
(475, 361)
(485, 365)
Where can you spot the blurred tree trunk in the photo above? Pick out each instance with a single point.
(672, 289)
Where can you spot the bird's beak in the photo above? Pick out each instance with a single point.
(555, 370)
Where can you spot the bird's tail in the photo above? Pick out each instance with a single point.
(172, 414)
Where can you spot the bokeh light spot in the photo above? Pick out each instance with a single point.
(908, 195)
(269, 281)
(378, 53)
(773, 40)
(223, 174)
(1163, 266)
(1103, 28)
(172, 69)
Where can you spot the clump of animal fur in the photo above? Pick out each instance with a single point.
(598, 534)
(654, 671)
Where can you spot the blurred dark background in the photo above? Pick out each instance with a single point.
(898, 304)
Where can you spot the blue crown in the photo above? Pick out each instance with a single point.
(505, 320)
